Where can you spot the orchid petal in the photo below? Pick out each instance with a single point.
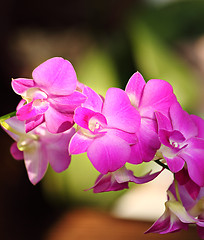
(200, 222)
(32, 123)
(93, 101)
(175, 163)
(136, 154)
(124, 175)
(119, 112)
(168, 137)
(36, 162)
(108, 153)
(107, 183)
(200, 125)
(67, 103)
(134, 89)
(157, 96)
(57, 151)
(145, 178)
(191, 187)
(163, 122)
(130, 138)
(164, 137)
(102, 183)
(83, 115)
(80, 86)
(21, 104)
(176, 136)
(30, 110)
(194, 157)
(186, 199)
(147, 143)
(178, 209)
(56, 76)
(182, 121)
(119, 180)
(15, 152)
(39, 147)
(20, 85)
(17, 125)
(58, 122)
(182, 176)
(79, 143)
(201, 194)
(161, 224)
(174, 226)
(169, 221)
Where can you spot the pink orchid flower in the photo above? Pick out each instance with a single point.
(179, 213)
(50, 96)
(105, 129)
(182, 139)
(119, 180)
(183, 179)
(155, 95)
(38, 148)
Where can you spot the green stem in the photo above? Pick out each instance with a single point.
(162, 164)
(6, 126)
(177, 190)
(7, 116)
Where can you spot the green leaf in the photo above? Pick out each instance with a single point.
(97, 70)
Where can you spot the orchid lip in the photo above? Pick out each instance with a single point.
(171, 152)
(33, 94)
(91, 134)
(95, 126)
(176, 147)
(174, 144)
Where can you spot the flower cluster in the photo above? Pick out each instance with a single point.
(142, 123)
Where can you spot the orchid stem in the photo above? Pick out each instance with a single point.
(162, 164)
(177, 190)
(7, 116)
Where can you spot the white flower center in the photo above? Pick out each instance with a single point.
(94, 125)
(33, 93)
(175, 144)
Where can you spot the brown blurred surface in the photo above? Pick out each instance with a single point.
(90, 224)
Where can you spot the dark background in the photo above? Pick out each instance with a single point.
(24, 211)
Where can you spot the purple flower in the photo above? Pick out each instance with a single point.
(38, 148)
(155, 95)
(179, 213)
(105, 129)
(182, 139)
(119, 180)
(50, 96)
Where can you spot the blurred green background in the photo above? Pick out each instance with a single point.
(106, 41)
